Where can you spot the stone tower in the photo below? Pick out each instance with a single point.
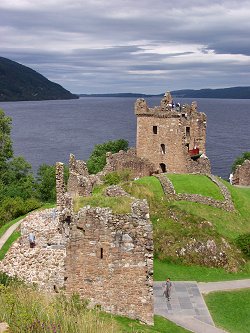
(171, 136)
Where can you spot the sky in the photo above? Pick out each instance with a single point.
(97, 46)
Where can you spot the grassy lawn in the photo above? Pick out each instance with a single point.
(228, 224)
(195, 184)
(161, 325)
(179, 272)
(230, 310)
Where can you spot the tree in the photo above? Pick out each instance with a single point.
(6, 151)
(240, 160)
(97, 159)
(46, 182)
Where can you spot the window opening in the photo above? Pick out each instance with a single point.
(101, 253)
(155, 129)
(163, 167)
(188, 132)
(163, 149)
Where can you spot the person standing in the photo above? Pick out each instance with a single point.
(168, 288)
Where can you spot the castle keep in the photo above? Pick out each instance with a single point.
(172, 137)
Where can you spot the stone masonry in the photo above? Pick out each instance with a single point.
(241, 175)
(166, 135)
(128, 160)
(109, 257)
(110, 260)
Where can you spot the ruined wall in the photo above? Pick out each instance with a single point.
(79, 182)
(110, 260)
(201, 165)
(43, 264)
(164, 135)
(139, 167)
(242, 174)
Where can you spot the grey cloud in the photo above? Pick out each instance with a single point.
(96, 45)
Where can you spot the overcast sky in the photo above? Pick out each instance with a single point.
(97, 46)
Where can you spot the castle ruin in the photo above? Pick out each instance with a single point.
(241, 175)
(171, 136)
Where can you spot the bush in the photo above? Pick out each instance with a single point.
(97, 159)
(240, 160)
(116, 177)
(14, 207)
(46, 182)
(243, 242)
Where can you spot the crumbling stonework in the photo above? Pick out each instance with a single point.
(138, 167)
(79, 182)
(241, 175)
(44, 264)
(106, 258)
(167, 135)
(110, 260)
(226, 204)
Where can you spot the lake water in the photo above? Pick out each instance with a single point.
(48, 131)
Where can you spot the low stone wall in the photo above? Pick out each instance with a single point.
(226, 204)
(167, 186)
(43, 264)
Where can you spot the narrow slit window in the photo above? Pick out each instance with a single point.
(155, 129)
(188, 132)
(163, 149)
(101, 253)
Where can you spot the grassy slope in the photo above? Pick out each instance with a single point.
(230, 310)
(228, 225)
(14, 236)
(195, 184)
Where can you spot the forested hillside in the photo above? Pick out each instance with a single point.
(21, 83)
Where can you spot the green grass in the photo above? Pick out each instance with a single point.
(230, 310)
(195, 184)
(119, 205)
(179, 272)
(14, 236)
(161, 325)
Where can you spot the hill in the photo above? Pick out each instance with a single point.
(21, 83)
(231, 93)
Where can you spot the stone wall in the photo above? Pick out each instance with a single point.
(138, 167)
(110, 260)
(44, 264)
(241, 175)
(226, 204)
(79, 182)
(165, 134)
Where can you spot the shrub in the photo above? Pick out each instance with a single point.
(240, 160)
(97, 159)
(116, 177)
(243, 242)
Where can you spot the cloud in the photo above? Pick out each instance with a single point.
(96, 46)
